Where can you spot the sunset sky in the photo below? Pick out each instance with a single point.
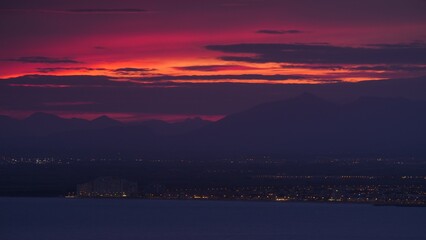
(170, 60)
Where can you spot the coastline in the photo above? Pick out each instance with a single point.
(379, 204)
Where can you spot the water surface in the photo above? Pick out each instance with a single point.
(115, 219)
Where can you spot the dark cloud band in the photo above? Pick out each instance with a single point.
(106, 10)
(391, 68)
(214, 68)
(81, 10)
(225, 77)
(324, 54)
(42, 59)
(270, 31)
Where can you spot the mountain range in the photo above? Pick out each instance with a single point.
(305, 124)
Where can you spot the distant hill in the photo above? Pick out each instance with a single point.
(305, 124)
(311, 125)
(44, 124)
(47, 132)
(176, 128)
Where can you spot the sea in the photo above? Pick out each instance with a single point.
(136, 219)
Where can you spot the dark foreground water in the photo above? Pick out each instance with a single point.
(107, 219)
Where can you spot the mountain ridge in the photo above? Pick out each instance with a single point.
(305, 124)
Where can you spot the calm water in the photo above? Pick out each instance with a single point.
(103, 219)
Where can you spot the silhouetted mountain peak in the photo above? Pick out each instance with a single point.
(195, 120)
(305, 124)
(298, 107)
(306, 98)
(166, 129)
(102, 118)
(105, 120)
(41, 116)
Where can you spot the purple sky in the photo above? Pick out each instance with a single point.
(170, 60)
